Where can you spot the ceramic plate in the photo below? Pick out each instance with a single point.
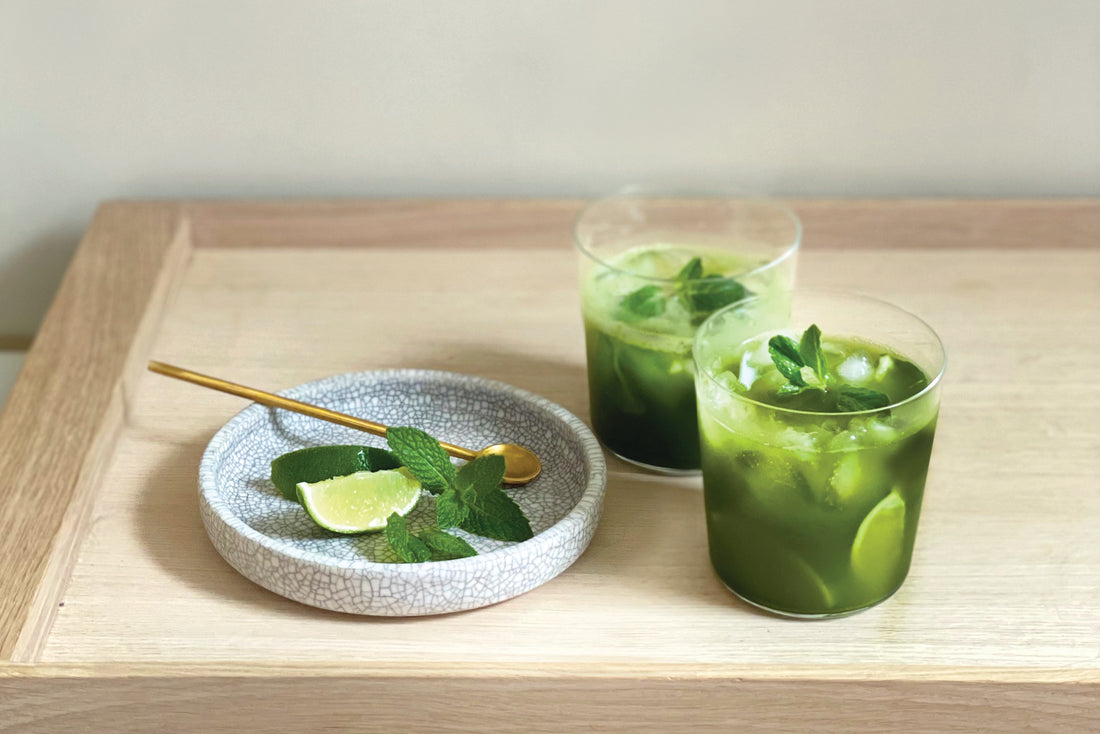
(273, 542)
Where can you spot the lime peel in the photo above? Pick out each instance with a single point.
(877, 548)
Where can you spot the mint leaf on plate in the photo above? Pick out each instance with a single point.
(494, 514)
(408, 547)
(449, 510)
(444, 546)
(469, 498)
(423, 456)
(483, 471)
(490, 512)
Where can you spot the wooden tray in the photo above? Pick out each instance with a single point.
(117, 616)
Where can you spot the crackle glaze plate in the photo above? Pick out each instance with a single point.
(273, 542)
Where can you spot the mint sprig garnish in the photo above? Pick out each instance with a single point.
(809, 348)
(710, 293)
(804, 366)
(701, 295)
(788, 360)
(692, 271)
(644, 303)
(469, 498)
(852, 398)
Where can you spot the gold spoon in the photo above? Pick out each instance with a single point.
(520, 464)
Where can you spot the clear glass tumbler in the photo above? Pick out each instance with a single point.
(813, 490)
(653, 266)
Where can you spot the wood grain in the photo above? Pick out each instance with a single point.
(261, 320)
(394, 223)
(1004, 224)
(997, 628)
(950, 224)
(60, 420)
(535, 703)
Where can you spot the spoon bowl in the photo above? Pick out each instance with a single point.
(520, 464)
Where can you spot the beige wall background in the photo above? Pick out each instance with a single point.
(126, 98)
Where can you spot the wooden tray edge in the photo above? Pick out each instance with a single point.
(532, 702)
(59, 424)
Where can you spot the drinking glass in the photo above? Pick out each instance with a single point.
(653, 266)
(811, 512)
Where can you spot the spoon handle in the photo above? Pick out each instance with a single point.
(296, 406)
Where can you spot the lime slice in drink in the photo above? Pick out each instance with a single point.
(763, 569)
(360, 502)
(877, 549)
(325, 462)
(803, 589)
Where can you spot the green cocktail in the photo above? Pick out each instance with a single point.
(653, 269)
(815, 449)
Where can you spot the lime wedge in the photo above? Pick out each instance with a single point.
(766, 571)
(360, 502)
(325, 462)
(798, 585)
(877, 549)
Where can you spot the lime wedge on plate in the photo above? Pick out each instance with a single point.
(877, 549)
(325, 462)
(360, 502)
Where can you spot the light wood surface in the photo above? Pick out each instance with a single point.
(60, 421)
(996, 224)
(998, 625)
(11, 361)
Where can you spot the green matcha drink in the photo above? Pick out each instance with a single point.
(648, 279)
(816, 441)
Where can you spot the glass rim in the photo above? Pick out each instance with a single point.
(686, 194)
(932, 383)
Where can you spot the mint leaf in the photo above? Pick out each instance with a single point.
(706, 295)
(852, 398)
(449, 510)
(811, 378)
(424, 457)
(691, 271)
(700, 294)
(408, 547)
(494, 514)
(810, 351)
(805, 367)
(484, 471)
(786, 358)
(444, 546)
(469, 498)
(644, 303)
(490, 512)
